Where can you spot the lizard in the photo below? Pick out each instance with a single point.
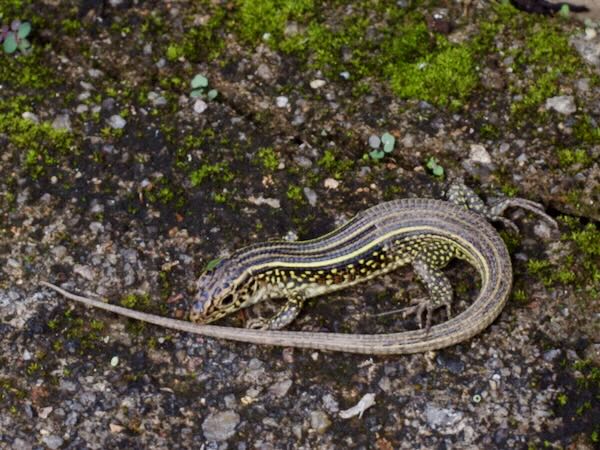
(423, 233)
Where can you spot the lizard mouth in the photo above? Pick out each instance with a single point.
(198, 311)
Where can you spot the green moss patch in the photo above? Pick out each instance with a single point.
(39, 145)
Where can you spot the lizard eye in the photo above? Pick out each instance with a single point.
(227, 300)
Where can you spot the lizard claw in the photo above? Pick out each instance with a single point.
(424, 305)
(496, 211)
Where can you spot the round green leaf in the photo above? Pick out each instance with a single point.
(388, 138)
(196, 93)
(10, 43)
(212, 94)
(438, 171)
(199, 81)
(388, 142)
(376, 154)
(24, 30)
(24, 44)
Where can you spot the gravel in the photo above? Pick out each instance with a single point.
(136, 216)
(116, 121)
(220, 426)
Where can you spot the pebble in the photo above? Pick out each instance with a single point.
(504, 147)
(590, 33)
(95, 73)
(21, 444)
(522, 158)
(200, 106)
(441, 417)
(116, 428)
(319, 421)
(303, 161)
(298, 119)
(281, 388)
(220, 426)
(108, 104)
(62, 122)
(363, 172)
(27, 115)
(374, 141)
(45, 412)
(454, 365)
(66, 385)
(385, 384)
(543, 230)
(564, 104)
(551, 355)
(281, 102)
(116, 122)
(84, 271)
(408, 141)
(583, 85)
(260, 200)
(311, 196)
(331, 183)
(263, 71)
(96, 227)
(318, 83)
(291, 29)
(588, 49)
(52, 441)
(330, 403)
(156, 99)
(479, 154)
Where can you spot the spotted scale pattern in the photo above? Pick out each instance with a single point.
(374, 242)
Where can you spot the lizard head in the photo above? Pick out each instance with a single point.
(220, 292)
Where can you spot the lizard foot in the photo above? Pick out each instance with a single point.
(424, 305)
(496, 211)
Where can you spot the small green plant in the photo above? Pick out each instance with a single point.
(433, 165)
(216, 172)
(565, 11)
(199, 84)
(562, 399)
(294, 193)
(268, 158)
(375, 142)
(14, 37)
(212, 264)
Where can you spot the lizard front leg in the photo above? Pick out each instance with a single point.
(283, 317)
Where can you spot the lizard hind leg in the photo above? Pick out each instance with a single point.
(460, 194)
(439, 289)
